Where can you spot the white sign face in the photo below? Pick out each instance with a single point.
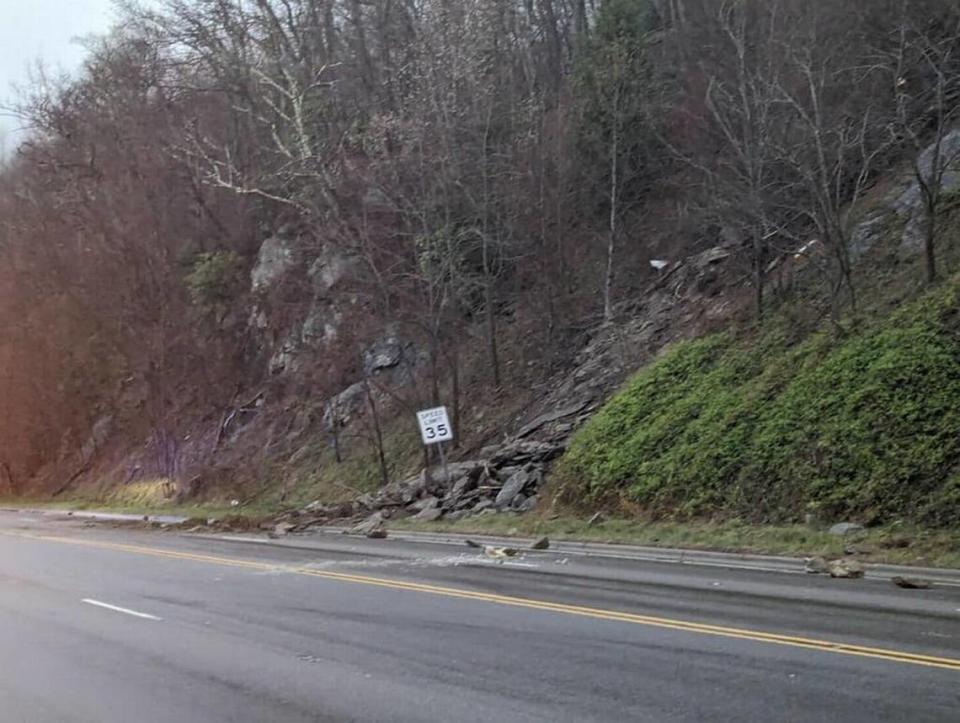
(434, 425)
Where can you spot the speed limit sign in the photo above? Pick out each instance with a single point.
(435, 425)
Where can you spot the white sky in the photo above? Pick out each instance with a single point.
(46, 30)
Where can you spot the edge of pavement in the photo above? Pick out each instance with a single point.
(637, 553)
(615, 551)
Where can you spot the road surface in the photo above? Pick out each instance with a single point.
(101, 624)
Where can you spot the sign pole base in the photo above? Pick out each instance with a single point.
(443, 461)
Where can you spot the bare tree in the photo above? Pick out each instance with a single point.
(833, 148)
(924, 73)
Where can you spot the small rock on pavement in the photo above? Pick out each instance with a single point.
(816, 566)
(542, 544)
(377, 533)
(911, 583)
(281, 530)
(850, 569)
(845, 528)
(369, 526)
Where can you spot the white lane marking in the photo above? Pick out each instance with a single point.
(125, 611)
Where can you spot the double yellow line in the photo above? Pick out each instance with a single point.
(828, 646)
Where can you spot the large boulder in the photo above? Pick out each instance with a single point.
(431, 514)
(512, 488)
(372, 527)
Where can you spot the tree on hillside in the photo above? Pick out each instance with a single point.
(836, 112)
(614, 84)
(732, 99)
(923, 69)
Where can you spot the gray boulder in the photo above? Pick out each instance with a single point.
(517, 502)
(431, 514)
(427, 503)
(483, 506)
(845, 568)
(528, 505)
(370, 527)
(816, 565)
(542, 544)
(845, 528)
(513, 487)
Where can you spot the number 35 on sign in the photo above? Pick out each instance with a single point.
(435, 425)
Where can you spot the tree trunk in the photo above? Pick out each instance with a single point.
(377, 434)
(492, 333)
(758, 280)
(929, 239)
(434, 371)
(335, 429)
(455, 394)
(614, 210)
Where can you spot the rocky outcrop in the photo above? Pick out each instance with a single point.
(277, 256)
(903, 207)
(99, 434)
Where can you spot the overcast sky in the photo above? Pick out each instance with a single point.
(45, 30)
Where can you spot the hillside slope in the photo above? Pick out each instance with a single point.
(767, 428)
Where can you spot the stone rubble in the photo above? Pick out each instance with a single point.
(506, 479)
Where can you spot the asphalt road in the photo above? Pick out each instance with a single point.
(100, 624)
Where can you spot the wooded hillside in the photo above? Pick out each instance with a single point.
(247, 205)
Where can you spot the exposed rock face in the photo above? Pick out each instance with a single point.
(384, 354)
(277, 256)
(320, 325)
(102, 429)
(330, 268)
(905, 203)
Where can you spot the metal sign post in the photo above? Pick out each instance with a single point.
(435, 429)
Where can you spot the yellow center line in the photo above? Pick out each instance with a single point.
(529, 603)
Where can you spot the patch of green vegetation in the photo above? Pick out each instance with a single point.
(313, 472)
(215, 278)
(767, 428)
(897, 544)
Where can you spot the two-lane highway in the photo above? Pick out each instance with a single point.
(100, 624)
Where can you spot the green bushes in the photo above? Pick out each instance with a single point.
(865, 426)
(215, 278)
